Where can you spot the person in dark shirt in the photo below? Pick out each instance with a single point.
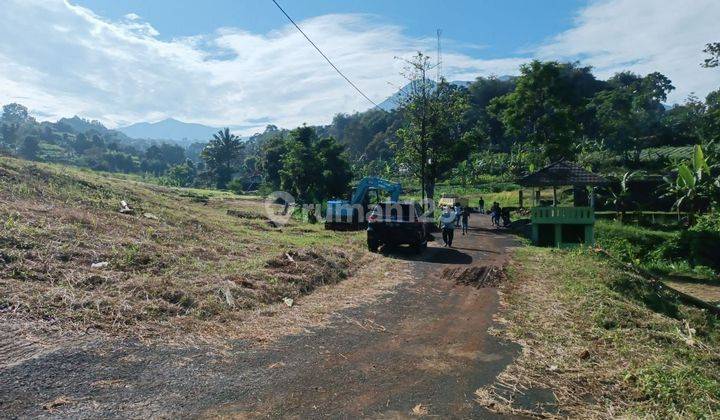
(481, 206)
(464, 219)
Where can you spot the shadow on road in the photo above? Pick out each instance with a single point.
(431, 255)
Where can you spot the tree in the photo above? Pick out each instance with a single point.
(630, 112)
(29, 148)
(81, 144)
(336, 174)
(547, 108)
(621, 198)
(482, 128)
(271, 161)
(713, 49)
(10, 133)
(300, 173)
(693, 188)
(15, 114)
(181, 175)
(711, 118)
(430, 143)
(221, 156)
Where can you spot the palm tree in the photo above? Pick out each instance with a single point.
(222, 155)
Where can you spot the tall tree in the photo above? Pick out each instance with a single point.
(630, 112)
(547, 108)
(300, 173)
(336, 174)
(430, 142)
(29, 148)
(271, 161)
(222, 155)
(15, 114)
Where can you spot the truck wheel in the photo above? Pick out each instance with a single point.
(373, 245)
(420, 247)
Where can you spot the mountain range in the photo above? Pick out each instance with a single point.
(185, 133)
(170, 129)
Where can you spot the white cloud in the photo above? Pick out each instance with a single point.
(644, 36)
(120, 72)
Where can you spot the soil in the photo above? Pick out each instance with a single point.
(421, 349)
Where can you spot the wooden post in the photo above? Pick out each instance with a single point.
(554, 196)
(592, 198)
(537, 197)
(520, 197)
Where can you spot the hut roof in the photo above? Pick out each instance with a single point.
(562, 172)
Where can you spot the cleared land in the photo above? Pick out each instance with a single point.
(185, 264)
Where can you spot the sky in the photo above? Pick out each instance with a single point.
(240, 63)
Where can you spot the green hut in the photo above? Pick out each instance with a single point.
(557, 226)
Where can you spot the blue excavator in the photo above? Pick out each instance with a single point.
(350, 214)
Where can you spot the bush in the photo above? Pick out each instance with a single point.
(701, 242)
(236, 186)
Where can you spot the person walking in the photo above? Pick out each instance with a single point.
(458, 212)
(481, 206)
(465, 218)
(495, 213)
(447, 225)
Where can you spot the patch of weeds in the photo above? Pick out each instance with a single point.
(607, 342)
(678, 389)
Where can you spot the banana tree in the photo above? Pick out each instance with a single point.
(693, 187)
(621, 198)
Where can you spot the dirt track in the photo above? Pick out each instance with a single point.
(423, 347)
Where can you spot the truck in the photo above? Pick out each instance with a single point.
(452, 200)
(397, 223)
(350, 214)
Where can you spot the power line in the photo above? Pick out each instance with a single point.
(326, 57)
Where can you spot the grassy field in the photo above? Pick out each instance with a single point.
(185, 260)
(600, 342)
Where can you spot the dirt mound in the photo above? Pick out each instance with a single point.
(476, 275)
(299, 272)
(243, 214)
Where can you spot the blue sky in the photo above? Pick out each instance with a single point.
(241, 64)
(499, 27)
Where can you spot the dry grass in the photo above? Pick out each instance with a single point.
(179, 264)
(595, 339)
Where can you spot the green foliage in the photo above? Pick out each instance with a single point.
(15, 113)
(620, 198)
(546, 108)
(690, 251)
(181, 175)
(29, 148)
(222, 156)
(432, 142)
(713, 50)
(693, 186)
(313, 169)
(629, 114)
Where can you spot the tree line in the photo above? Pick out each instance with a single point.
(494, 125)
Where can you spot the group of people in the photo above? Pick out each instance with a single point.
(500, 216)
(458, 216)
(451, 218)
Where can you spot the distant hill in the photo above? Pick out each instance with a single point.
(170, 129)
(81, 125)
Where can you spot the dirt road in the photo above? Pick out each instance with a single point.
(422, 349)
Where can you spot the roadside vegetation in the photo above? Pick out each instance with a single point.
(599, 341)
(185, 260)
